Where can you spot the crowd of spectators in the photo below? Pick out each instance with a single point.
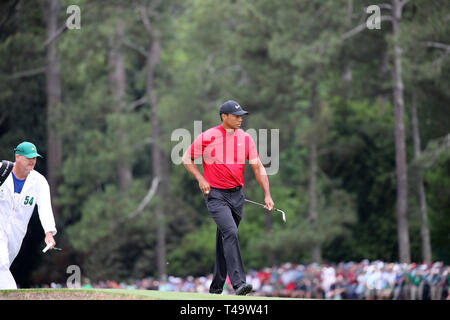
(347, 280)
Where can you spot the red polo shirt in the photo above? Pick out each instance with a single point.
(224, 153)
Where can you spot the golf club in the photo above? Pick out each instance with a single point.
(48, 247)
(262, 205)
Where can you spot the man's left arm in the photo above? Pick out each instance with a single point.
(261, 177)
(46, 213)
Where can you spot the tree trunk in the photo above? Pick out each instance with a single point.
(384, 69)
(400, 149)
(117, 80)
(53, 90)
(347, 70)
(158, 163)
(312, 206)
(424, 230)
(312, 155)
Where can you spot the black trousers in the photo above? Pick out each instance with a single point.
(225, 208)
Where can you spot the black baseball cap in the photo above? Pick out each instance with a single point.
(232, 107)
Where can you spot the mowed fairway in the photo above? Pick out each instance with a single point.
(116, 294)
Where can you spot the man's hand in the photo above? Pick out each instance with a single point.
(269, 203)
(204, 185)
(49, 239)
(192, 169)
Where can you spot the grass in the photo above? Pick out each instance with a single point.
(120, 294)
(172, 295)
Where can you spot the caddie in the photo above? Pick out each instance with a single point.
(21, 189)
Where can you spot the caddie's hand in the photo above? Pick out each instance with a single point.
(269, 203)
(49, 239)
(204, 186)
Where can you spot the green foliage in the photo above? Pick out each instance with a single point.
(268, 56)
(437, 182)
(196, 253)
(102, 213)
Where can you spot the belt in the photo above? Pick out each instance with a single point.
(229, 190)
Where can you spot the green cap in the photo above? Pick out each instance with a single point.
(27, 149)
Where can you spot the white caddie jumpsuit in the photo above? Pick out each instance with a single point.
(15, 213)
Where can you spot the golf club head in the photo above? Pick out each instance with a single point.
(283, 214)
(48, 247)
(262, 205)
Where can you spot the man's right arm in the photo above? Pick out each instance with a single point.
(191, 167)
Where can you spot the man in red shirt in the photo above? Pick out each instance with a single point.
(224, 150)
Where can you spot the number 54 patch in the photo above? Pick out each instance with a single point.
(28, 200)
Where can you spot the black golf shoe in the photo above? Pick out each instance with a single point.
(244, 289)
